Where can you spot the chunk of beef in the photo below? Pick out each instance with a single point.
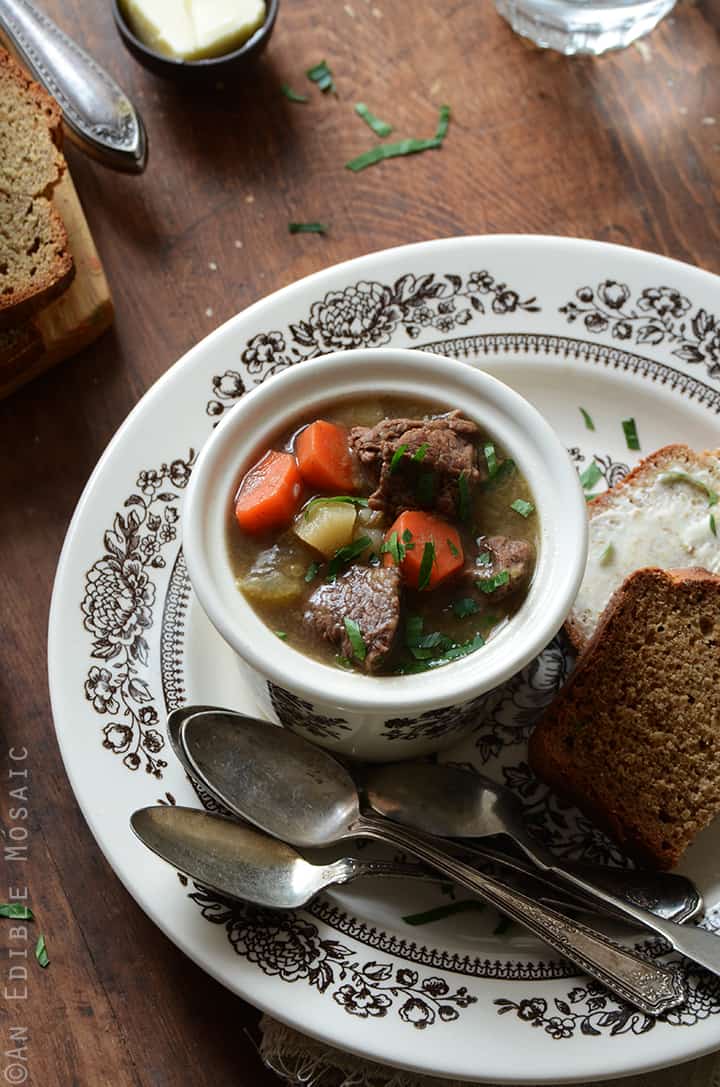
(368, 594)
(430, 483)
(515, 556)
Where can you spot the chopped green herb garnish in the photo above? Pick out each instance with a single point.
(503, 925)
(380, 128)
(608, 555)
(391, 151)
(490, 459)
(522, 507)
(590, 476)
(588, 420)
(420, 453)
(413, 630)
(425, 490)
(356, 639)
(446, 910)
(407, 540)
(307, 228)
(344, 662)
(346, 554)
(397, 457)
(426, 565)
(312, 571)
(293, 95)
(393, 547)
(280, 634)
(421, 654)
(631, 435)
(450, 652)
(466, 606)
(484, 559)
(434, 641)
(41, 952)
(685, 477)
(322, 76)
(505, 470)
(452, 548)
(15, 911)
(713, 526)
(443, 122)
(490, 584)
(346, 499)
(463, 503)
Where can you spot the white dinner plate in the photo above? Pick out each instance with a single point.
(569, 324)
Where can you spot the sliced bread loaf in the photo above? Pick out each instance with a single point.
(662, 514)
(634, 736)
(35, 260)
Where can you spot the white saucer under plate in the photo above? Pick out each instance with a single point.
(570, 324)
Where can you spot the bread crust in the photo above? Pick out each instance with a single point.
(640, 842)
(654, 463)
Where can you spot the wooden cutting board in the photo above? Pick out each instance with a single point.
(74, 319)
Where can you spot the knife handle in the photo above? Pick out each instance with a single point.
(99, 116)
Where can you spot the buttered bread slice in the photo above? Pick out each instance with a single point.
(663, 514)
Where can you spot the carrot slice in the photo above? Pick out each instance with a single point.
(324, 457)
(269, 495)
(416, 535)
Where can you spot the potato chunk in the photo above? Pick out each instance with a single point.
(326, 526)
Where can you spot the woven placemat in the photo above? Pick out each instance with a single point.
(301, 1062)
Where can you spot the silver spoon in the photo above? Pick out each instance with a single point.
(454, 803)
(672, 897)
(525, 878)
(236, 861)
(298, 792)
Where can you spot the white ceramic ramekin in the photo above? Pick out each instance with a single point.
(384, 717)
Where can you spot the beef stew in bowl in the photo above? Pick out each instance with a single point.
(386, 535)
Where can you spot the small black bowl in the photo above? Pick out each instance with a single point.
(197, 71)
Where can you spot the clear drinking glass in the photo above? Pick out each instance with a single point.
(583, 26)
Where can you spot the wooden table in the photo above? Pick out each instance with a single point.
(625, 149)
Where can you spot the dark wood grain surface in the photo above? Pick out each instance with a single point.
(625, 149)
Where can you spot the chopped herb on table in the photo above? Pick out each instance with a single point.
(522, 507)
(685, 477)
(380, 128)
(356, 639)
(443, 123)
(490, 584)
(41, 952)
(308, 228)
(15, 911)
(588, 419)
(292, 95)
(631, 435)
(321, 75)
(403, 147)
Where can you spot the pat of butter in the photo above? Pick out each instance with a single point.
(163, 25)
(195, 29)
(223, 25)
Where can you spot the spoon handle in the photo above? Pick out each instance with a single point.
(99, 116)
(648, 986)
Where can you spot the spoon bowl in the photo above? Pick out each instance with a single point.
(271, 777)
